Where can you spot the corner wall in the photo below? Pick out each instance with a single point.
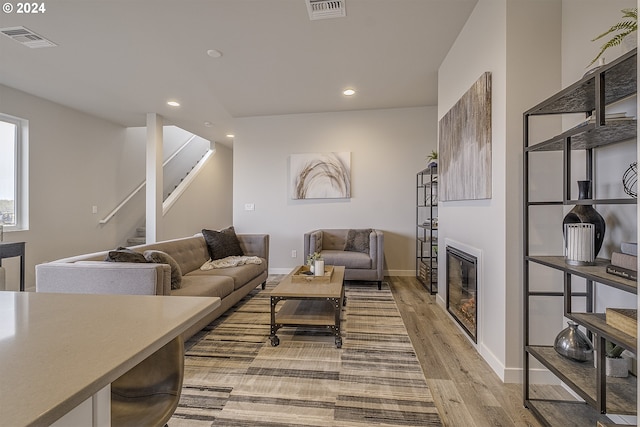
(503, 37)
(388, 148)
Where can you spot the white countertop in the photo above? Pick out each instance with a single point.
(57, 350)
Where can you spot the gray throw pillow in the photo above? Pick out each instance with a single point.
(125, 255)
(223, 243)
(358, 240)
(160, 257)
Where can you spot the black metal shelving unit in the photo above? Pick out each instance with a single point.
(601, 394)
(427, 228)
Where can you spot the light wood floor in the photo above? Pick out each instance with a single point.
(466, 391)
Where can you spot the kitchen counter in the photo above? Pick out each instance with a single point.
(58, 350)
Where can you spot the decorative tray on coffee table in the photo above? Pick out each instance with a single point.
(303, 274)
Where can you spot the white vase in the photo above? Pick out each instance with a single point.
(617, 367)
(319, 267)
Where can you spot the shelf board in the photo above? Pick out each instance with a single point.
(565, 413)
(626, 201)
(597, 272)
(590, 136)
(581, 378)
(580, 97)
(597, 323)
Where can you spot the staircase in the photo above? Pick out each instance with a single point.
(139, 238)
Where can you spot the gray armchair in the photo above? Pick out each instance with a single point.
(361, 252)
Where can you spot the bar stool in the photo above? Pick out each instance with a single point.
(149, 393)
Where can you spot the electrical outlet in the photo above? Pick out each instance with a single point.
(294, 253)
(249, 207)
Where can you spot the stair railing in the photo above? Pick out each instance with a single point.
(193, 172)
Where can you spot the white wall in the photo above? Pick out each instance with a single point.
(502, 37)
(532, 49)
(388, 148)
(76, 161)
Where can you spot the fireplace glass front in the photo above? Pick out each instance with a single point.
(462, 289)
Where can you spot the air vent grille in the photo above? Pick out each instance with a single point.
(27, 37)
(324, 9)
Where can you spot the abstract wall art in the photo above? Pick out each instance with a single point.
(320, 175)
(465, 145)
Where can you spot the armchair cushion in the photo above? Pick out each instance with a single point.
(358, 241)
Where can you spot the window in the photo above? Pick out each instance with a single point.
(13, 176)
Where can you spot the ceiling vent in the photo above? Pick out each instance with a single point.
(324, 9)
(27, 37)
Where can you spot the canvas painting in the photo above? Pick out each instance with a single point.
(320, 175)
(465, 145)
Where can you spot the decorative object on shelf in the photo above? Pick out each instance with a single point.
(630, 180)
(572, 343)
(627, 26)
(586, 214)
(578, 244)
(432, 159)
(616, 365)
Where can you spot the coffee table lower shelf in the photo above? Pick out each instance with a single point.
(309, 312)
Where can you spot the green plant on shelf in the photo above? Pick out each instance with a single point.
(620, 30)
(613, 351)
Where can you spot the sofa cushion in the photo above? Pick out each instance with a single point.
(125, 255)
(160, 257)
(358, 240)
(204, 286)
(346, 258)
(223, 243)
(240, 275)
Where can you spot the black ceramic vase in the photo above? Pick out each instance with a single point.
(586, 214)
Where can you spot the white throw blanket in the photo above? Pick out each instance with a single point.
(230, 261)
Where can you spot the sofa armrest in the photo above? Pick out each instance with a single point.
(376, 249)
(97, 277)
(312, 243)
(255, 245)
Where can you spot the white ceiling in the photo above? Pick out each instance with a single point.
(122, 59)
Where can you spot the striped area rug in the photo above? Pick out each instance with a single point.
(234, 377)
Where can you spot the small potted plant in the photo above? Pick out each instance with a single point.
(432, 159)
(616, 365)
(311, 260)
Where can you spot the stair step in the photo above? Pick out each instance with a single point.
(141, 232)
(133, 241)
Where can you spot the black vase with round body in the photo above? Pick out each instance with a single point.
(586, 214)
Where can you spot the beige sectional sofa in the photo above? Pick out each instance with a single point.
(91, 274)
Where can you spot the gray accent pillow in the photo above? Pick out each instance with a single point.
(358, 240)
(122, 254)
(160, 257)
(223, 243)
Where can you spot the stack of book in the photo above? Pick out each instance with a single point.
(625, 262)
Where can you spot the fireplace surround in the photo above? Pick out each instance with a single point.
(462, 289)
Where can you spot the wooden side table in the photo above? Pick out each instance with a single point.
(10, 250)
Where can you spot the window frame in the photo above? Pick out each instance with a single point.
(21, 164)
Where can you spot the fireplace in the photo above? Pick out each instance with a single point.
(462, 289)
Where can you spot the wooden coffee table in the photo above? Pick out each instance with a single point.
(308, 304)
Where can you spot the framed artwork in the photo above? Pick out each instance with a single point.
(465, 145)
(320, 175)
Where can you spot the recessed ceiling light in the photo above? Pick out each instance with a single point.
(348, 92)
(230, 135)
(208, 124)
(214, 53)
(173, 103)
